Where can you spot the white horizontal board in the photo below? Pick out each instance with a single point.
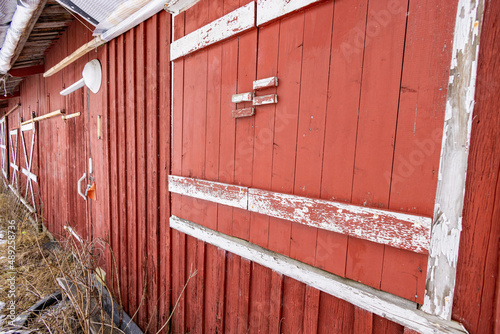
(27, 127)
(229, 25)
(268, 10)
(395, 229)
(14, 166)
(30, 175)
(391, 228)
(265, 83)
(221, 193)
(378, 302)
(242, 97)
(175, 7)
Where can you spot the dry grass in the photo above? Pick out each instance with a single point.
(40, 262)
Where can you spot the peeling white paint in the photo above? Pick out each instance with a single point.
(396, 229)
(265, 83)
(231, 24)
(399, 230)
(265, 99)
(447, 222)
(221, 193)
(242, 97)
(268, 10)
(378, 302)
(175, 7)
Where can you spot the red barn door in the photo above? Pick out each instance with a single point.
(323, 131)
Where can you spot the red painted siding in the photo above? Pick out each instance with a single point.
(477, 295)
(133, 159)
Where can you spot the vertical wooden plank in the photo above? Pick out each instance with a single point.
(164, 91)
(247, 49)
(113, 161)
(382, 325)
(104, 203)
(267, 66)
(226, 168)
(122, 162)
(193, 162)
(293, 306)
(417, 146)
(215, 259)
(285, 141)
(363, 321)
(142, 118)
(345, 318)
(275, 302)
(309, 155)
(227, 128)
(178, 239)
(383, 54)
(313, 93)
(244, 141)
(311, 310)
(131, 156)
(285, 129)
(151, 169)
(344, 86)
(215, 288)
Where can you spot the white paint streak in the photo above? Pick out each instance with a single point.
(268, 10)
(221, 193)
(447, 222)
(378, 302)
(229, 25)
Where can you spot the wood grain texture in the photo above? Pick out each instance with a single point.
(225, 27)
(388, 307)
(271, 302)
(163, 245)
(381, 226)
(476, 302)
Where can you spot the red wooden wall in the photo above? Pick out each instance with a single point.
(132, 161)
(359, 120)
(477, 301)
